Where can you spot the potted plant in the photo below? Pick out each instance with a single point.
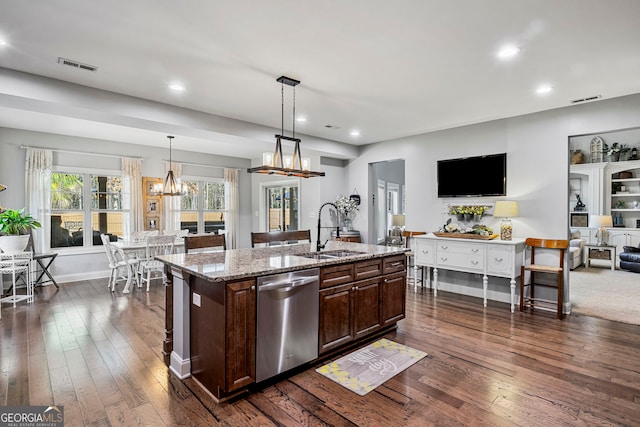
(14, 224)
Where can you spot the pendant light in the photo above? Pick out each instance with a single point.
(277, 164)
(171, 186)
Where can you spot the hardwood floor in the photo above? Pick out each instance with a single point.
(100, 355)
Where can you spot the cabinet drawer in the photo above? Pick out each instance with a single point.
(499, 261)
(336, 275)
(460, 248)
(367, 269)
(464, 262)
(425, 252)
(394, 264)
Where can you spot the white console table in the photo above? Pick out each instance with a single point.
(498, 258)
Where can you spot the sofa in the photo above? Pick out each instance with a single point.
(630, 258)
(576, 250)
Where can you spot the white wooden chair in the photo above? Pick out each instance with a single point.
(156, 245)
(177, 233)
(122, 267)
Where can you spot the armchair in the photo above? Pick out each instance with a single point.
(630, 259)
(576, 250)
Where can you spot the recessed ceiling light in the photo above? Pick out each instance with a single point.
(508, 52)
(301, 119)
(3, 42)
(355, 133)
(544, 89)
(176, 87)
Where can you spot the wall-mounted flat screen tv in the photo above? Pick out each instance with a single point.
(473, 176)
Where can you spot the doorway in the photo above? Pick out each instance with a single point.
(282, 207)
(386, 185)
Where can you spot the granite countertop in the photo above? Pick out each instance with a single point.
(243, 263)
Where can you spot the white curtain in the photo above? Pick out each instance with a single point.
(132, 216)
(171, 211)
(38, 194)
(231, 206)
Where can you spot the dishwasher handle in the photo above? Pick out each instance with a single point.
(286, 284)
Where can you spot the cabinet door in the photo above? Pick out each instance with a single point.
(335, 317)
(366, 303)
(240, 350)
(500, 261)
(392, 298)
(634, 239)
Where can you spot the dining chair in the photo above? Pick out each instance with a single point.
(280, 237)
(539, 270)
(44, 261)
(139, 236)
(204, 242)
(119, 262)
(177, 233)
(156, 245)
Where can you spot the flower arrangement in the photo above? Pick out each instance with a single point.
(479, 229)
(615, 148)
(467, 209)
(346, 205)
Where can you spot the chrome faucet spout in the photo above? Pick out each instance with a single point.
(320, 246)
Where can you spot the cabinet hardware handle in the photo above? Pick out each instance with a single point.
(444, 247)
(355, 287)
(499, 259)
(443, 259)
(474, 250)
(253, 288)
(425, 252)
(474, 262)
(395, 264)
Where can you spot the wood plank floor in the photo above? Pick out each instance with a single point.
(100, 355)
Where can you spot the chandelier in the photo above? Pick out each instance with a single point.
(277, 164)
(171, 186)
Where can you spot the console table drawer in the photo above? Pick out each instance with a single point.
(457, 261)
(460, 248)
(425, 252)
(500, 261)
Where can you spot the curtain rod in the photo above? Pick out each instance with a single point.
(81, 152)
(202, 164)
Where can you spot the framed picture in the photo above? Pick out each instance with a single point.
(148, 183)
(152, 223)
(579, 219)
(153, 205)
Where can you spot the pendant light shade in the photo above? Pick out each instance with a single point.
(278, 164)
(171, 185)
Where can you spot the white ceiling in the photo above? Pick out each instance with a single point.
(387, 68)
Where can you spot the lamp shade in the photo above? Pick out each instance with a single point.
(597, 221)
(397, 220)
(506, 209)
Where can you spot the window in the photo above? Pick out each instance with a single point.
(74, 222)
(282, 208)
(202, 209)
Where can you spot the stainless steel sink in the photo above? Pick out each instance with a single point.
(329, 254)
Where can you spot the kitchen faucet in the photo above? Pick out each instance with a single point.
(319, 245)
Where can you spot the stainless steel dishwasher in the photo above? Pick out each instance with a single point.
(287, 321)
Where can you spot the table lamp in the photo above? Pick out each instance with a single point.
(600, 222)
(506, 209)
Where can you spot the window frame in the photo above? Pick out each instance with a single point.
(87, 211)
(200, 200)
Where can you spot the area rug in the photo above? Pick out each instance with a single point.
(600, 292)
(367, 368)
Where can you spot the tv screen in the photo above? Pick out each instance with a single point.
(473, 176)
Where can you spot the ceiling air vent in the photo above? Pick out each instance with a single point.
(591, 98)
(76, 64)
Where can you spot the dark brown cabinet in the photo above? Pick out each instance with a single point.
(223, 328)
(350, 311)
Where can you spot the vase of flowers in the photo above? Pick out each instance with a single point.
(347, 208)
(615, 151)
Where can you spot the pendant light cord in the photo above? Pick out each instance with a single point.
(282, 109)
(294, 112)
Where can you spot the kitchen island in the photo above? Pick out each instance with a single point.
(211, 305)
